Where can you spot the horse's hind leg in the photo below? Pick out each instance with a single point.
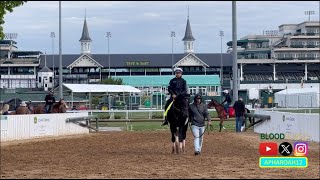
(221, 124)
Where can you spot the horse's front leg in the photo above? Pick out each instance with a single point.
(177, 143)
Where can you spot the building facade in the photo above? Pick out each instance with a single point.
(284, 58)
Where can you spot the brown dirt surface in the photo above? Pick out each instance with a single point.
(144, 155)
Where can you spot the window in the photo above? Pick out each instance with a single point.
(80, 70)
(39, 79)
(192, 91)
(203, 90)
(45, 85)
(50, 79)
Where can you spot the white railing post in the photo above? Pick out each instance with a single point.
(127, 114)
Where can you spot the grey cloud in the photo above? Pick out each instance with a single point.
(144, 27)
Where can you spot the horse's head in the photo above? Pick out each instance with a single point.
(178, 100)
(213, 103)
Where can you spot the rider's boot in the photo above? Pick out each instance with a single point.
(165, 122)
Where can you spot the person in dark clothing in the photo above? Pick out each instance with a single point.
(49, 101)
(198, 112)
(177, 86)
(228, 101)
(239, 109)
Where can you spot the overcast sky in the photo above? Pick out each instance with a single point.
(145, 26)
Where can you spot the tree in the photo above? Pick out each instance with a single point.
(7, 6)
(116, 81)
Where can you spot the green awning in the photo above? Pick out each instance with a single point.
(192, 80)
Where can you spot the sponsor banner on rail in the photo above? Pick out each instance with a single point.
(41, 125)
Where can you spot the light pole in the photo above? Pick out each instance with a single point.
(234, 51)
(308, 13)
(108, 36)
(60, 55)
(173, 34)
(221, 62)
(52, 35)
(10, 36)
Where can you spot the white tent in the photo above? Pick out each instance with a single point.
(100, 88)
(300, 97)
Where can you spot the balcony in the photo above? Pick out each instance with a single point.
(306, 58)
(285, 58)
(311, 46)
(74, 76)
(297, 46)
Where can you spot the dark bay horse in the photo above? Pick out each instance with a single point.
(178, 125)
(221, 112)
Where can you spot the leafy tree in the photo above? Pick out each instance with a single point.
(7, 6)
(116, 81)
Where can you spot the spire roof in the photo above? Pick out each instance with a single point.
(188, 33)
(85, 33)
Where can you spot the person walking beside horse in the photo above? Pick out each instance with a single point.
(240, 109)
(198, 112)
(50, 100)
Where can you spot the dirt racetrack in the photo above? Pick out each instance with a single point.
(143, 155)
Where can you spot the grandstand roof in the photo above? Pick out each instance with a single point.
(299, 91)
(154, 60)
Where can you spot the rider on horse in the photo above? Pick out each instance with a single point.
(228, 101)
(177, 86)
(49, 101)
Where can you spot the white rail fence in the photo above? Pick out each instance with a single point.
(147, 114)
(18, 127)
(295, 126)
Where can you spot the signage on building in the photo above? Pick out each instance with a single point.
(137, 63)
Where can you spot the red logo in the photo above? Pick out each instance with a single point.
(268, 149)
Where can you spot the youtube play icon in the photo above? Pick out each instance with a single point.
(268, 149)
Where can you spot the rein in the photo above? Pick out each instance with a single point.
(174, 114)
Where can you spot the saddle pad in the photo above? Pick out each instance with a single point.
(166, 112)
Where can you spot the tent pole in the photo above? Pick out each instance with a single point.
(90, 100)
(71, 99)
